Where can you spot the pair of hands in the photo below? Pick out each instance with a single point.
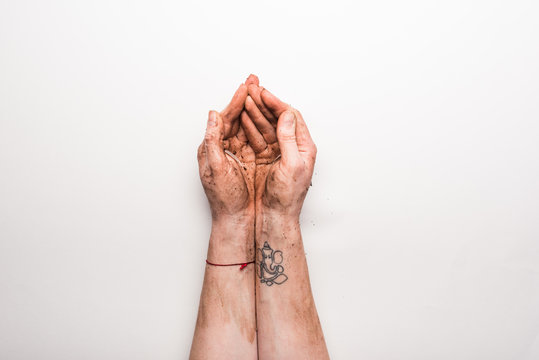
(257, 154)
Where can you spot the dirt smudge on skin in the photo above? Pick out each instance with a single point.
(244, 311)
(221, 303)
(305, 311)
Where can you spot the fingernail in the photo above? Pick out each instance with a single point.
(289, 118)
(212, 118)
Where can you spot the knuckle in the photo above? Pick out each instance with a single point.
(286, 136)
(200, 151)
(288, 139)
(314, 151)
(216, 166)
(208, 136)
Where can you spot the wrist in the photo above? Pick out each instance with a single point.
(242, 220)
(279, 216)
(271, 224)
(231, 239)
(243, 215)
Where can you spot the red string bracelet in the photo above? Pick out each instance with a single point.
(241, 265)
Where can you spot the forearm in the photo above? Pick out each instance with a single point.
(226, 323)
(288, 324)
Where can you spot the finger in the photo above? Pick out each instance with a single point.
(213, 140)
(233, 131)
(286, 134)
(256, 140)
(252, 79)
(234, 108)
(262, 124)
(254, 92)
(241, 135)
(272, 102)
(305, 143)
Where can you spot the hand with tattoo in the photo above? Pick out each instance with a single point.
(287, 320)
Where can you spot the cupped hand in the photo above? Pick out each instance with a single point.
(227, 163)
(272, 128)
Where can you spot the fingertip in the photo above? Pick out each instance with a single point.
(252, 79)
(241, 92)
(265, 93)
(286, 135)
(212, 118)
(286, 128)
(268, 96)
(253, 89)
(288, 118)
(214, 127)
(273, 102)
(211, 124)
(242, 88)
(256, 140)
(236, 104)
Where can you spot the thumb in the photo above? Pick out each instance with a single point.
(213, 140)
(286, 136)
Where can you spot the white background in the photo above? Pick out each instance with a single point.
(422, 225)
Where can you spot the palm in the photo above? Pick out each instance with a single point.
(241, 163)
(266, 168)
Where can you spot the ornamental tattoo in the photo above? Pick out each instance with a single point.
(269, 269)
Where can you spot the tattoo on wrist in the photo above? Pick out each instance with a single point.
(269, 268)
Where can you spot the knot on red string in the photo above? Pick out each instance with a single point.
(241, 265)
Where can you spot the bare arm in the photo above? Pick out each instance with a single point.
(288, 325)
(287, 320)
(226, 324)
(226, 327)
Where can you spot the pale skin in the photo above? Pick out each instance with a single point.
(226, 323)
(277, 156)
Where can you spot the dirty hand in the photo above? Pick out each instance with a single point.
(227, 164)
(274, 128)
